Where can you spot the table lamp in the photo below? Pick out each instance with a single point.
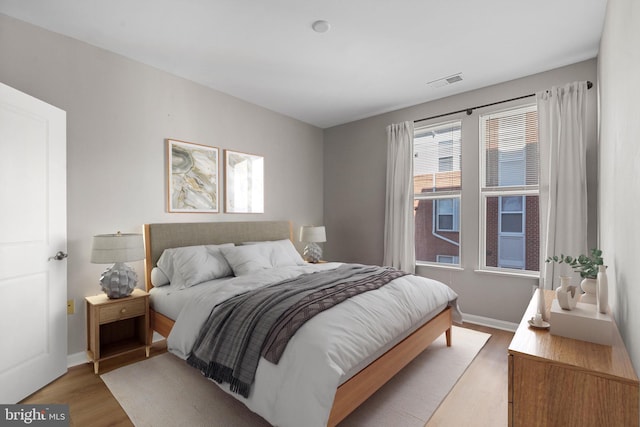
(119, 280)
(312, 235)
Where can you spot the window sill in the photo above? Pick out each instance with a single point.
(441, 266)
(532, 275)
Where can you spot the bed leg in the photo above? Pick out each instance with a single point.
(447, 335)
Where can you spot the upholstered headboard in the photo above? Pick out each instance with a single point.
(158, 237)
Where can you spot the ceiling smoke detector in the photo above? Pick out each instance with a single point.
(321, 26)
(445, 81)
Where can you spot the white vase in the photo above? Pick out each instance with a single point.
(565, 282)
(542, 309)
(589, 287)
(602, 289)
(567, 295)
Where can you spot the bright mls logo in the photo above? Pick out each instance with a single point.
(34, 415)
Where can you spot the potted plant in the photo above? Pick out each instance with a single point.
(587, 266)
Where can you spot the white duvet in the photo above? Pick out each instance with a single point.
(299, 390)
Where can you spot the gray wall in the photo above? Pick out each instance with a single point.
(619, 178)
(118, 114)
(354, 190)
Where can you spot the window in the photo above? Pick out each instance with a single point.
(447, 214)
(511, 214)
(509, 190)
(445, 156)
(447, 259)
(437, 188)
(445, 164)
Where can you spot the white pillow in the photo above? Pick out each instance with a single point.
(255, 256)
(285, 254)
(247, 259)
(158, 278)
(165, 263)
(190, 265)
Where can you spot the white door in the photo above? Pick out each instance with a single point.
(33, 287)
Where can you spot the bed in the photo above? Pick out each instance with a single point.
(352, 390)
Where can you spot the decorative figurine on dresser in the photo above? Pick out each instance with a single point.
(587, 266)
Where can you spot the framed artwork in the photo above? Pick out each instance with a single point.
(244, 182)
(192, 177)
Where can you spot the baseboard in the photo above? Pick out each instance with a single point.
(492, 323)
(76, 359)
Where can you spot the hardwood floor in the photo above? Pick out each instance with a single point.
(478, 399)
(90, 401)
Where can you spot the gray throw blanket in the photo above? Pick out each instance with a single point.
(296, 315)
(230, 343)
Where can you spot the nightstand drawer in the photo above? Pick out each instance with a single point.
(122, 310)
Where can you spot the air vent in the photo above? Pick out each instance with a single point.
(445, 81)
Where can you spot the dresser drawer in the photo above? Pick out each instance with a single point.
(122, 310)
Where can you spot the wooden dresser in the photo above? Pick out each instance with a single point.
(557, 381)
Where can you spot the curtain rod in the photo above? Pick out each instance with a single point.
(469, 111)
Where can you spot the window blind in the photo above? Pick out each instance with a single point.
(510, 141)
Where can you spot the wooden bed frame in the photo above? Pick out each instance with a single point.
(352, 393)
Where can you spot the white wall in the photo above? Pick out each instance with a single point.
(118, 114)
(619, 177)
(354, 190)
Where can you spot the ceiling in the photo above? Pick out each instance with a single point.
(377, 57)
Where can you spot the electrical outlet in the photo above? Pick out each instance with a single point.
(71, 306)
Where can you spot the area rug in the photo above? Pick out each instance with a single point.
(165, 391)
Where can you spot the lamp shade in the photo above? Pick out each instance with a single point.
(112, 248)
(312, 234)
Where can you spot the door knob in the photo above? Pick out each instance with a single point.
(59, 256)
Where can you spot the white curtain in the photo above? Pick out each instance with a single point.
(563, 176)
(399, 239)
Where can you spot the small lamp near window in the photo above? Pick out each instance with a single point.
(119, 280)
(312, 235)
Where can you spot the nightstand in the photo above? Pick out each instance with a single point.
(117, 326)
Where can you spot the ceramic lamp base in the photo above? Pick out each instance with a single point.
(118, 281)
(312, 252)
